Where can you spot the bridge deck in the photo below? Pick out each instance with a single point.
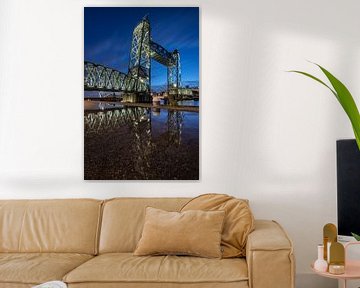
(170, 107)
(91, 106)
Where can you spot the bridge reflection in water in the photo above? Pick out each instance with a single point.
(133, 143)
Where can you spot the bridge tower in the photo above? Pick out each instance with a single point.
(136, 84)
(174, 72)
(140, 56)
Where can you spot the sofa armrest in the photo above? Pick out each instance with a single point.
(269, 256)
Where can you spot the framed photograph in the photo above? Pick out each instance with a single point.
(141, 93)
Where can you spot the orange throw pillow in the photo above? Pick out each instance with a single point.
(238, 224)
(196, 233)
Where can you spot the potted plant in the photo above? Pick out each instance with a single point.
(357, 237)
(344, 97)
(347, 102)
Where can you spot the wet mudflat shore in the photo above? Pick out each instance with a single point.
(138, 143)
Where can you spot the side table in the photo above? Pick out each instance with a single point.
(352, 268)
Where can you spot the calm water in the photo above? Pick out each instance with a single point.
(188, 103)
(136, 143)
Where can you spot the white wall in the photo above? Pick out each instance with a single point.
(266, 135)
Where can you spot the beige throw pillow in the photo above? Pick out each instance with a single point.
(193, 232)
(239, 220)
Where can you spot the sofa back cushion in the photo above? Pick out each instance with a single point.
(238, 224)
(123, 220)
(66, 226)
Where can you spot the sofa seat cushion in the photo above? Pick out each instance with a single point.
(36, 268)
(127, 268)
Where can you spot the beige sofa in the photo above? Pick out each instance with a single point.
(89, 243)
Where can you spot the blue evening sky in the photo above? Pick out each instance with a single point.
(108, 32)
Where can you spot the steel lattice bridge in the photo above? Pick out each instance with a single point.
(138, 79)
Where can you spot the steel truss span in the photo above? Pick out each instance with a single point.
(100, 121)
(96, 122)
(101, 78)
(138, 79)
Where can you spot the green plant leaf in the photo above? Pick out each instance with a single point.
(346, 100)
(357, 137)
(316, 79)
(344, 97)
(356, 236)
